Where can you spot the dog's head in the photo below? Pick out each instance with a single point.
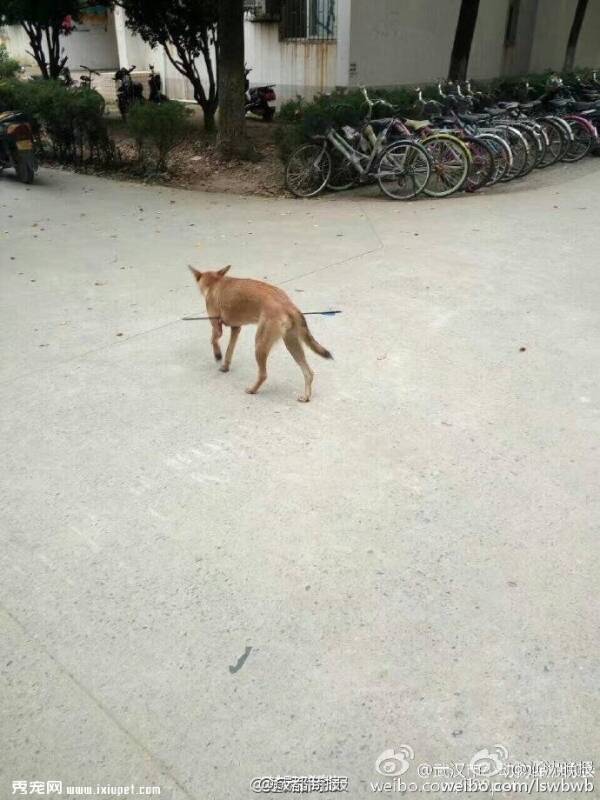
(207, 279)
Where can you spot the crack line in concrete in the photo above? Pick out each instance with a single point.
(107, 712)
(59, 364)
(328, 266)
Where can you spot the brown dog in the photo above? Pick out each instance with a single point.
(240, 301)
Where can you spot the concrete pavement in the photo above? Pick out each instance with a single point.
(412, 558)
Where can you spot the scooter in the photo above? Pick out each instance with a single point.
(128, 90)
(65, 77)
(16, 145)
(258, 99)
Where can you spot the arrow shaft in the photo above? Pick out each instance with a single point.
(306, 314)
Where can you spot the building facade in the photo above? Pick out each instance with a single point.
(311, 46)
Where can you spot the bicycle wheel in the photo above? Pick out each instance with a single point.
(567, 134)
(532, 149)
(450, 164)
(403, 170)
(535, 141)
(581, 145)
(308, 170)
(482, 163)
(554, 143)
(502, 155)
(520, 152)
(343, 173)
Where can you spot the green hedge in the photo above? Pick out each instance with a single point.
(71, 126)
(70, 121)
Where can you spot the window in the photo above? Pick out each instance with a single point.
(308, 19)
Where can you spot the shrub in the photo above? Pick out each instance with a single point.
(161, 125)
(291, 110)
(70, 120)
(8, 66)
(8, 95)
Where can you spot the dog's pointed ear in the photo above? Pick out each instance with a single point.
(197, 275)
(224, 271)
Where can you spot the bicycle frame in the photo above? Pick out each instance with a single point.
(362, 162)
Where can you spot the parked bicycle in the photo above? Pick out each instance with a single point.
(86, 80)
(472, 140)
(402, 169)
(449, 156)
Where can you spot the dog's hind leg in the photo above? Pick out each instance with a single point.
(235, 332)
(293, 344)
(217, 332)
(266, 335)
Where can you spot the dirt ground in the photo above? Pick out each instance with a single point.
(196, 164)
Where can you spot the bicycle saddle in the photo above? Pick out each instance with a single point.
(582, 105)
(494, 112)
(474, 117)
(417, 124)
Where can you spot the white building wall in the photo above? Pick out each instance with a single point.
(487, 50)
(552, 26)
(379, 43)
(17, 44)
(393, 43)
(588, 46)
(517, 54)
(133, 49)
(93, 44)
(297, 66)
(344, 25)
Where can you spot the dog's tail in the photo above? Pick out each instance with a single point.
(310, 340)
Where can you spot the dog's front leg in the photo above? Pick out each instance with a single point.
(217, 332)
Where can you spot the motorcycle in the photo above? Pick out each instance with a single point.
(128, 90)
(154, 87)
(16, 145)
(258, 99)
(85, 81)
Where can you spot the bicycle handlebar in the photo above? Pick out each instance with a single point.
(377, 101)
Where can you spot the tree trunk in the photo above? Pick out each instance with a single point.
(34, 34)
(463, 39)
(208, 111)
(574, 35)
(230, 74)
(186, 66)
(54, 60)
